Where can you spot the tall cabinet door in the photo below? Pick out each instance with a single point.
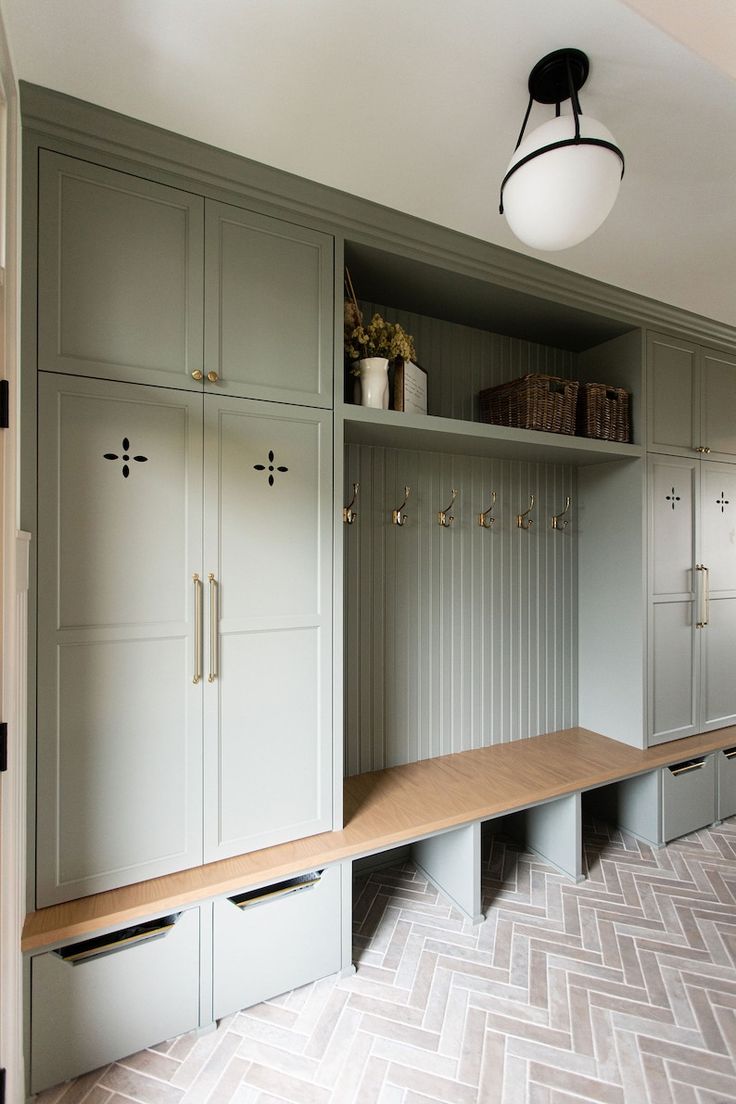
(268, 696)
(119, 715)
(673, 638)
(120, 275)
(269, 308)
(718, 554)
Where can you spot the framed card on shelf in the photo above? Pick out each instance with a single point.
(410, 388)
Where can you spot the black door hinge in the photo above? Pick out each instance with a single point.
(4, 413)
(3, 767)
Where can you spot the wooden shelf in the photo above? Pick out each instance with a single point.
(384, 809)
(365, 426)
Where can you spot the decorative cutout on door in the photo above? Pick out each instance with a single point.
(672, 498)
(125, 457)
(270, 468)
(723, 502)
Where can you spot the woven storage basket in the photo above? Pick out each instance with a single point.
(532, 402)
(604, 412)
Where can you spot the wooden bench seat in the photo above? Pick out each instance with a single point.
(384, 809)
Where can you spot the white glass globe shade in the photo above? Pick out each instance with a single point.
(562, 196)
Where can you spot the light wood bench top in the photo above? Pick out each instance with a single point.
(384, 809)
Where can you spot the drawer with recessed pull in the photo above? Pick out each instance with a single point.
(276, 938)
(688, 796)
(100, 999)
(726, 772)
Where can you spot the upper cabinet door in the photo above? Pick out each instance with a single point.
(673, 395)
(719, 404)
(269, 308)
(120, 276)
(119, 713)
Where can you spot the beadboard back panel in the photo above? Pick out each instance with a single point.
(455, 638)
(461, 361)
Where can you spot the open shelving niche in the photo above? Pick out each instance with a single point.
(463, 638)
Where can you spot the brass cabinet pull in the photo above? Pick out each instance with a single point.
(703, 596)
(197, 628)
(730, 753)
(212, 377)
(685, 768)
(703, 449)
(197, 375)
(214, 626)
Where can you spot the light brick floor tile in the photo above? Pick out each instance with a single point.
(619, 990)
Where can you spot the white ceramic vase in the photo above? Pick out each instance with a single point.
(373, 375)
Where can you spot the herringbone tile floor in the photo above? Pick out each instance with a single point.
(620, 990)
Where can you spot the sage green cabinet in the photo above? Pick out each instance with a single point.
(144, 283)
(160, 606)
(691, 399)
(692, 587)
(269, 308)
(120, 275)
(119, 772)
(95, 1010)
(268, 540)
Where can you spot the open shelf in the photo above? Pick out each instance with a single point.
(391, 429)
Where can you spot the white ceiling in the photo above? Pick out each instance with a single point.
(417, 104)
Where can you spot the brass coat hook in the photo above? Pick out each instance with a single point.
(485, 520)
(520, 518)
(348, 513)
(443, 517)
(398, 517)
(559, 521)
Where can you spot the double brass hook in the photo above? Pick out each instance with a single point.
(523, 521)
(485, 520)
(348, 513)
(444, 518)
(559, 521)
(398, 517)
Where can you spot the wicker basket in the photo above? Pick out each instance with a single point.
(532, 402)
(604, 412)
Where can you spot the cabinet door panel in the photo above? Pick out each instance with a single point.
(718, 525)
(268, 540)
(269, 307)
(673, 395)
(673, 705)
(672, 493)
(719, 403)
(119, 721)
(120, 275)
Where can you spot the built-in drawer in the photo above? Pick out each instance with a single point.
(276, 938)
(688, 796)
(726, 775)
(103, 998)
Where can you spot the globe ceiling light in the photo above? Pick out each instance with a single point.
(563, 179)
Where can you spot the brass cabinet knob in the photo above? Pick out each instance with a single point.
(212, 377)
(197, 375)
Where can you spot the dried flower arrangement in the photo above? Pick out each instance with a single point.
(379, 338)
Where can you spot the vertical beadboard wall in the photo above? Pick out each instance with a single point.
(461, 361)
(464, 637)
